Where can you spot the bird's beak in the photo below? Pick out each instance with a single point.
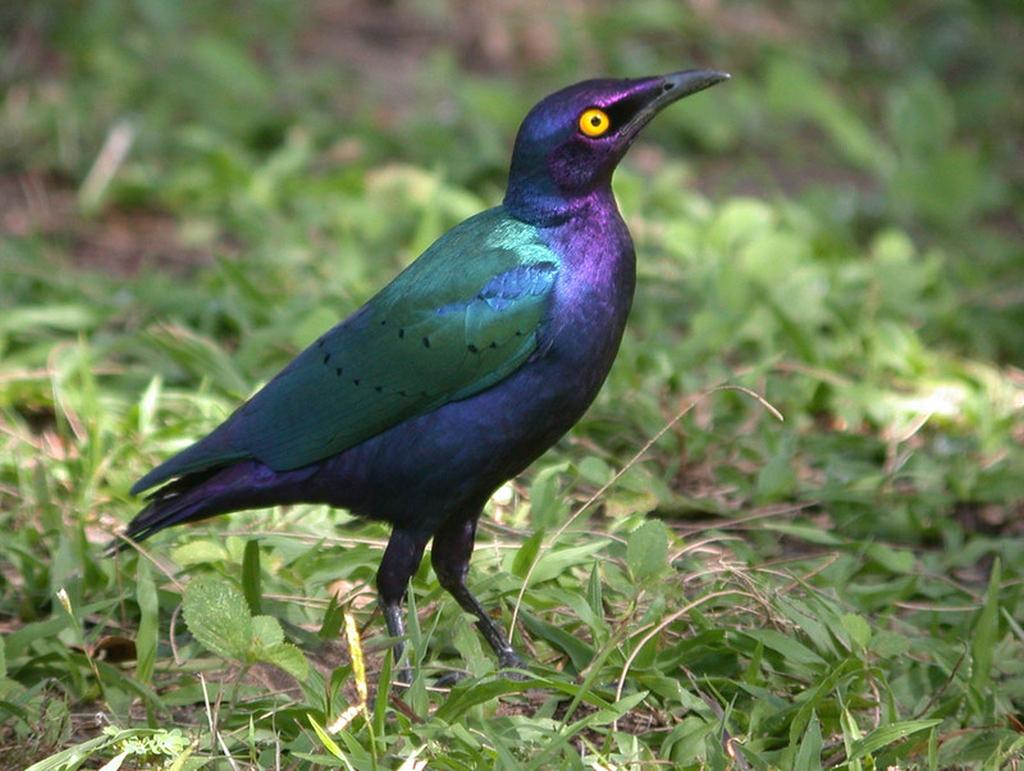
(680, 84)
(672, 88)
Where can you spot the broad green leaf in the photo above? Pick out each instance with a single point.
(647, 549)
(595, 594)
(752, 674)
(986, 630)
(468, 695)
(527, 553)
(287, 657)
(380, 699)
(819, 695)
(554, 562)
(579, 606)
(72, 757)
(888, 644)
(467, 641)
(790, 648)
(148, 405)
(547, 503)
(806, 533)
(857, 628)
(505, 749)
(684, 745)
(198, 552)
(886, 735)
(18, 641)
(70, 318)
(266, 631)
(325, 739)
(808, 757)
(668, 688)
(217, 615)
(616, 710)
(594, 470)
(815, 617)
(851, 737)
(334, 616)
(149, 609)
(776, 479)
(896, 560)
(251, 576)
(578, 651)
(602, 716)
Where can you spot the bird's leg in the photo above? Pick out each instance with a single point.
(399, 564)
(450, 553)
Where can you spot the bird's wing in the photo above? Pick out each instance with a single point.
(461, 318)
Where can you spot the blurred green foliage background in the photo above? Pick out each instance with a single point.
(191, 192)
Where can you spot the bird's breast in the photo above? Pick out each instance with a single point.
(593, 295)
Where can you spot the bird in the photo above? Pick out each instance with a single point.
(458, 374)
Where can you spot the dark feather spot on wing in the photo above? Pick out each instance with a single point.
(401, 333)
(327, 357)
(338, 371)
(320, 343)
(383, 322)
(402, 393)
(494, 344)
(379, 389)
(472, 348)
(355, 381)
(519, 333)
(424, 393)
(426, 342)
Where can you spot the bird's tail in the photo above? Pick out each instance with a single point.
(204, 494)
(183, 500)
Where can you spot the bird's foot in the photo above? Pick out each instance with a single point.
(403, 677)
(449, 679)
(510, 661)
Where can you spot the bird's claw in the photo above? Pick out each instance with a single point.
(510, 662)
(449, 679)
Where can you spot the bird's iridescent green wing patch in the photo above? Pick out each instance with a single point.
(462, 317)
(384, 367)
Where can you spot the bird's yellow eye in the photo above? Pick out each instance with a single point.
(594, 122)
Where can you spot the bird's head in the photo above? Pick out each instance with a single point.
(571, 141)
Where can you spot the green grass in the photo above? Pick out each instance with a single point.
(837, 230)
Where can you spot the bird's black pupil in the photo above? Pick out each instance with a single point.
(595, 121)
